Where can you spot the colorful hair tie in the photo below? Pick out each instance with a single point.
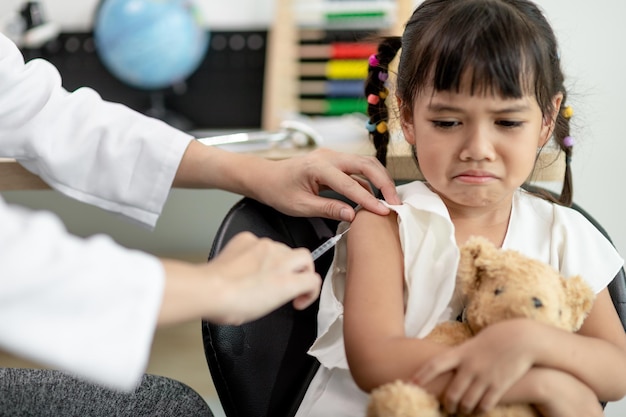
(380, 127)
(568, 141)
(567, 112)
(373, 99)
(373, 60)
(382, 76)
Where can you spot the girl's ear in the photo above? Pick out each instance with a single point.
(550, 120)
(406, 122)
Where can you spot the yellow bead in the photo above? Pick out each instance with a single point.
(381, 127)
(383, 94)
(567, 112)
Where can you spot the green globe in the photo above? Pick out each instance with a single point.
(150, 44)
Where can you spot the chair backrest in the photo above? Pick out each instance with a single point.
(261, 369)
(617, 287)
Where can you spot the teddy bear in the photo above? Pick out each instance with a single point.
(496, 284)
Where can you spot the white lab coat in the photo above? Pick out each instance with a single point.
(86, 306)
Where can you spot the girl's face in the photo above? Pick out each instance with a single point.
(475, 150)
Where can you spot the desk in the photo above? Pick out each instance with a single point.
(400, 163)
(15, 177)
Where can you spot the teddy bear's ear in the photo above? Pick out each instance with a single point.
(580, 297)
(473, 252)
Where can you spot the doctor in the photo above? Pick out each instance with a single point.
(89, 306)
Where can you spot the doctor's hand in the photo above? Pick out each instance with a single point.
(248, 279)
(300, 179)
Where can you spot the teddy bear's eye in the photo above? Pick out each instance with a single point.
(537, 302)
(497, 291)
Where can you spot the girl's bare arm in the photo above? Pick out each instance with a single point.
(377, 349)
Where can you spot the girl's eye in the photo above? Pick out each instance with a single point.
(445, 124)
(509, 123)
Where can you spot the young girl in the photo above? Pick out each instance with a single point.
(480, 92)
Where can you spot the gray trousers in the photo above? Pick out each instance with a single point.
(42, 393)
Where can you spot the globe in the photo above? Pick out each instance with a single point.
(150, 44)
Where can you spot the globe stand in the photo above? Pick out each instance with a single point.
(158, 110)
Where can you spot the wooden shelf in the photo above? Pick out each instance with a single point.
(280, 89)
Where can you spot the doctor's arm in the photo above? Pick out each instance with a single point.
(299, 179)
(90, 306)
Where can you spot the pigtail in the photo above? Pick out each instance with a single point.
(376, 92)
(566, 143)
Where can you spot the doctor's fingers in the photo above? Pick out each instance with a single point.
(342, 174)
(250, 254)
(376, 173)
(250, 262)
(261, 278)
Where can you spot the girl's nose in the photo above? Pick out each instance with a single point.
(477, 145)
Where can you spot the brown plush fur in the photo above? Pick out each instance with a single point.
(496, 285)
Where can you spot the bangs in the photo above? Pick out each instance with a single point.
(481, 49)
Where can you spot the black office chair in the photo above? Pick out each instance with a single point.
(261, 369)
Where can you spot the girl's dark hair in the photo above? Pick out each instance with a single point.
(507, 47)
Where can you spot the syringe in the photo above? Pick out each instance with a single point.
(324, 247)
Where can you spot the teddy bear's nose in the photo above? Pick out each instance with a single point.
(537, 302)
